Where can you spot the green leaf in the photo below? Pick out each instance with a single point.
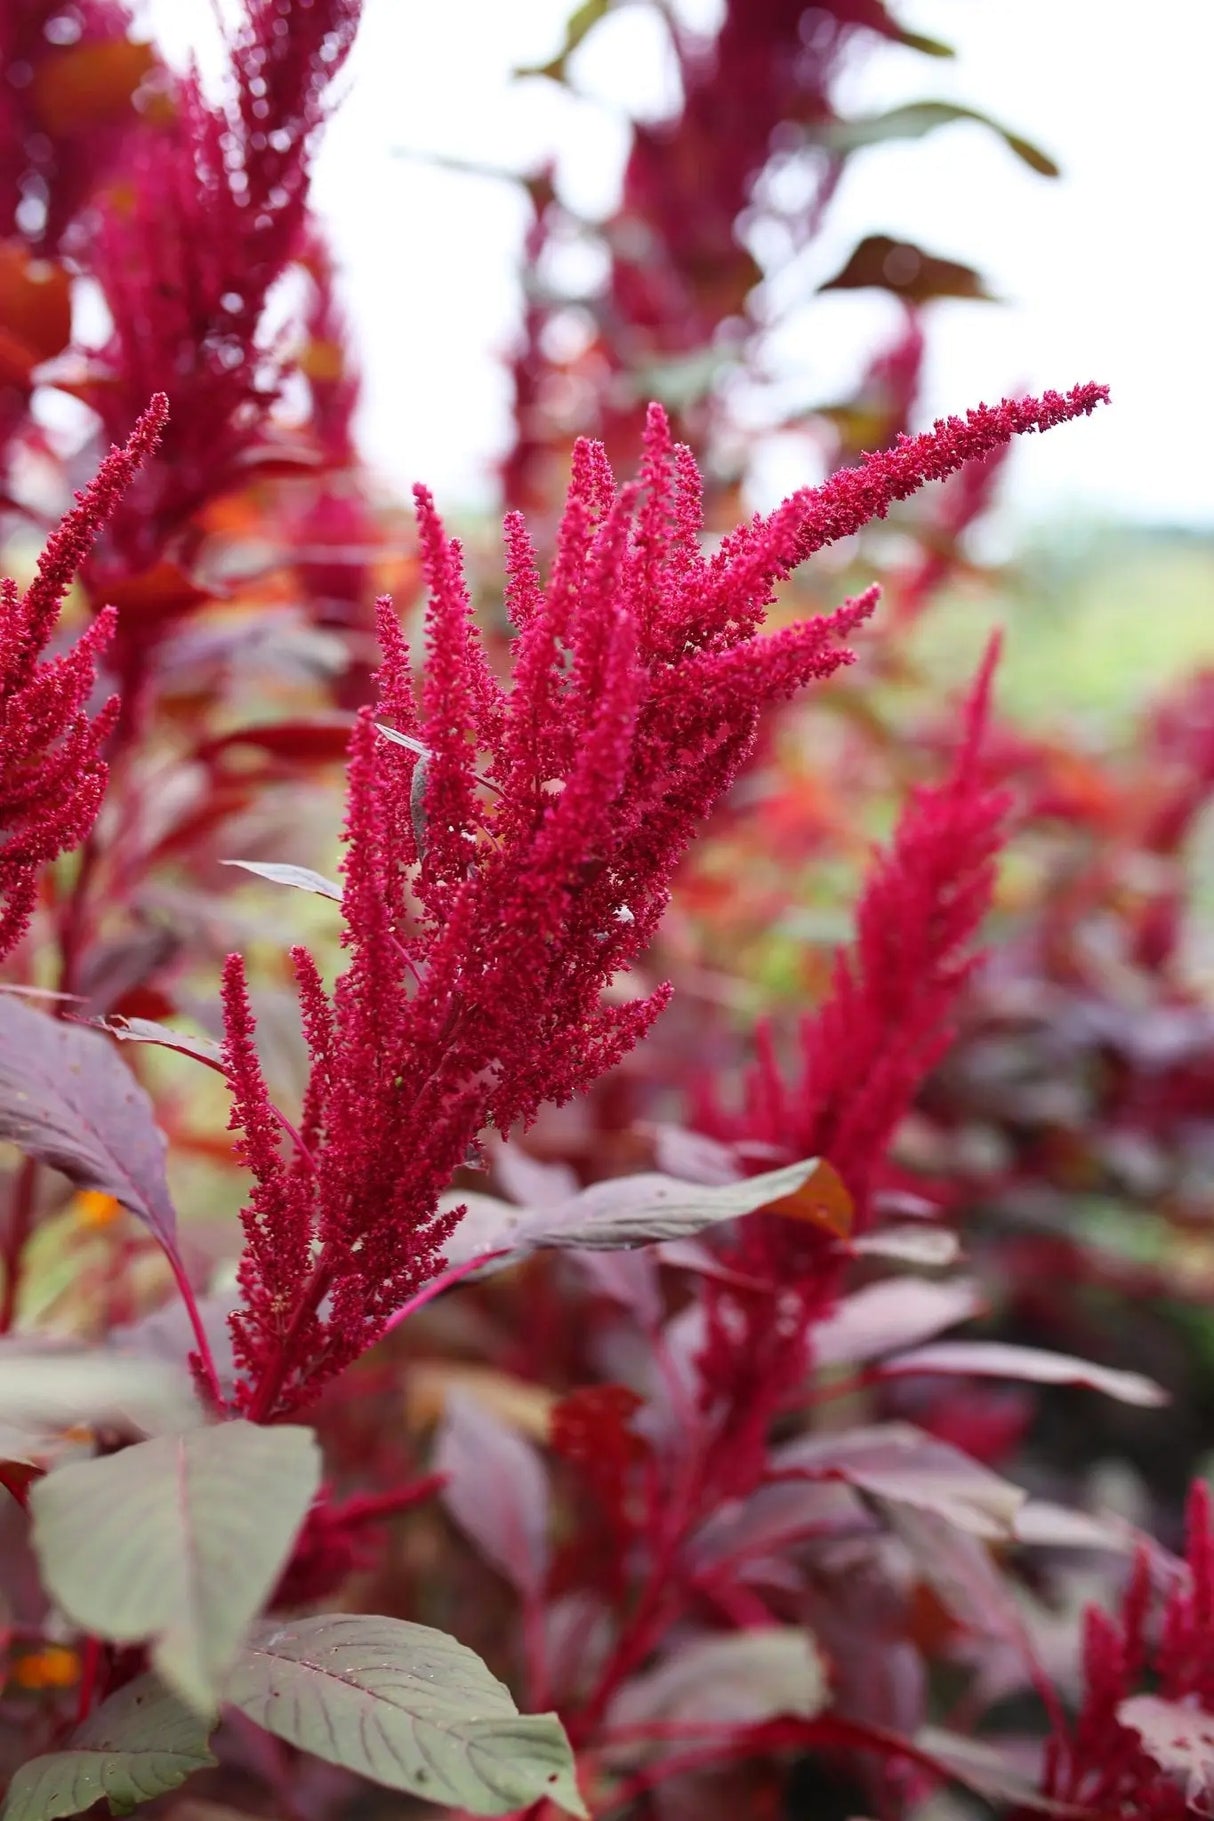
(408, 1707)
(178, 1541)
(138, 1744)
(914, 120)
(47, 1388)
(578, 26)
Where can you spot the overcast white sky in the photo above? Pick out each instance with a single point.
(1106, 272)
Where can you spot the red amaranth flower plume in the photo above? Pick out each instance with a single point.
(508, 859)
(52, 776)
(863, 1056)
(1146, 1757)
(865, 1052)
(213, 211)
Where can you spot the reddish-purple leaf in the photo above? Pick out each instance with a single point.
(960, 1569)
(989, 1772)
(526, 1180)
(145, 1030)
(895, 1313)
(692, 1157)
(496, 1490)
(773, 1517)
(999, 1359)
(918, 1245)
(897, 1461)
(67, 1099)
(740, 1679)
(1041, 1522)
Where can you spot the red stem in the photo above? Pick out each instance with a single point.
(20, 1223)
(435, 1287)
(89, 1672)
(374, 1507)
(210, 1374)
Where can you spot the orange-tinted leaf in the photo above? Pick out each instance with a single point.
(158, 593)
(53, 1667)
(35, 305)
(823, 1201)
(84, 86)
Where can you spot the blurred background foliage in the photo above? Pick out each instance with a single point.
(1069, 1134)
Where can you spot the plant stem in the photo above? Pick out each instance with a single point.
(374, 1507)
(210, 1374)
(435, 1287)
(90, 1669)
(20, 1222)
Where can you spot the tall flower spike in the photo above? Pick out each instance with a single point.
(865, 1052)
(476, 992)
(52, 776)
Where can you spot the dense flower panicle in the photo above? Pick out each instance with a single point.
(865, 1052)
(52, 776)
(863, 1057)
(217, 211)
(1106, 1764)
(489, 908)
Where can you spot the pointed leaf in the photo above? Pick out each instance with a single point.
(1000, 1359)
(739, 1680)
(914, 119)
(406, 1706)
(68, 1099)
(134, 1747)
(959, 1567)
(884, 264)
(898, 1461)
(990, 1772)
(890, 1314)
(302, 877)
(823, 1200)
(918, 1245)
(624, 1211)
(580, 22)
(186, 1043)
(178, 1541)
(496, 1490)
(1039, 1521)
(403, 739)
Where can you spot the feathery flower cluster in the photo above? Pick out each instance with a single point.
(52, 776)
(866, 1051)
(1132, 1757)
(218, 211)
(863, 1057)
(496, 886)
